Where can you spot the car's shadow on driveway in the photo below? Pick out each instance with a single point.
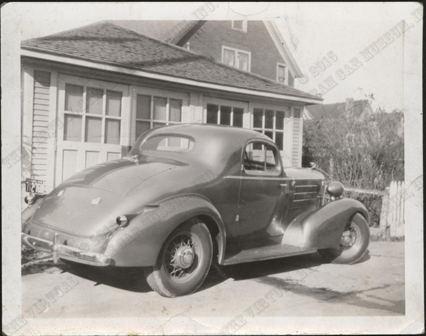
(125, 278)
(133, 279)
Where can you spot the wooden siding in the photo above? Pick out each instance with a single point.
(214, 35)
(40, 130)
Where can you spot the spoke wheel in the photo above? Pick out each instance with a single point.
(182, 255)
(353, 243)
(183, 262)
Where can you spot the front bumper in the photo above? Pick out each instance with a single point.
(64, 251)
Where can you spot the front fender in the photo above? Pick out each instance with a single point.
(140, 243)
(323, 227)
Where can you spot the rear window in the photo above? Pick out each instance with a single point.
(168, 143)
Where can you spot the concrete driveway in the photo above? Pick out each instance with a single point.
(294, 286)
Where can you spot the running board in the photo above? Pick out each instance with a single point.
(265, 253)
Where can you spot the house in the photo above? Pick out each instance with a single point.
(336, 110)
(89, 93)
(253, 46)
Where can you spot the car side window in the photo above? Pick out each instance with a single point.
(261, 159)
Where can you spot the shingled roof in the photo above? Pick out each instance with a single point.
(337, 110)
(169, 31)
(107, 43)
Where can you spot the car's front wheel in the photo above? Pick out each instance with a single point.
(353, 243)
(184, 261)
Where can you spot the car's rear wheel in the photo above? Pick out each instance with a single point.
(183, 262)
(353, 243)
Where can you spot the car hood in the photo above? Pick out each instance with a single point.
(304, 173)
(121, 176)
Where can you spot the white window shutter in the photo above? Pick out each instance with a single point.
(297, 138)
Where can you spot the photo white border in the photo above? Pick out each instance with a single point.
(13, 17)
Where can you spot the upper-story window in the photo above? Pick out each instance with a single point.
(237, 58)
(282, 74)
(240, 25)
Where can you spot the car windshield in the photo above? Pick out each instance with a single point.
(163, 143)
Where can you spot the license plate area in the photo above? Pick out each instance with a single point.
(33, 186)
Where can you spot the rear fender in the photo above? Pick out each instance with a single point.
(140, 243)
(29, 211)
(323, 227)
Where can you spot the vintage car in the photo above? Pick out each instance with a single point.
(189, 194)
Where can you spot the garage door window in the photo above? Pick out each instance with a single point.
(92, 114)
(225, 115)
(270, 123)
(152, 112)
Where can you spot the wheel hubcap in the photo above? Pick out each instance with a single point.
(348, 238)
(184, 257)
(181, 258)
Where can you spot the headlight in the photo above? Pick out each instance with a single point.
(30, 199)
(335, 189)
(122, 221)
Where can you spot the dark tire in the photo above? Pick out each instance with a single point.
(353, 244)
(183, 262)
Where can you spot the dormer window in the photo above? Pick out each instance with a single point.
(282, 74)
(240, 25)
(236, 58)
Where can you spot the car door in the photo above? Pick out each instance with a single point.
(262, 190)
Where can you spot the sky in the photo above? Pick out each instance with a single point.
(326, 39)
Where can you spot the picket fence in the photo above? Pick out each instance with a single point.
(392, 213)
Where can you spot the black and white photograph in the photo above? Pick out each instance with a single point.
(200, 168)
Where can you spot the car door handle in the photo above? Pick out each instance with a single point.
(283, 184)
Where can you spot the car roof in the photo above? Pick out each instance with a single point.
(217, 147)
(203, 132)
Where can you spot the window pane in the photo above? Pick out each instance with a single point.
(175, 110)
(238, 117)
(243, 60)
(269, 134)
(72, 129)
(270, 159)
(174, 142)
(257, 145)
(257, 118)
(225, 115)
(94, 100)
(229, 57)
(279, 120)
(160, 105)
(281, 74)
(141, 127)
(93, 129)
(143, 107)
(113, 106)
(73, 98)
(112, 131)
(212, 113)
(279, 137)
(269, 119)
